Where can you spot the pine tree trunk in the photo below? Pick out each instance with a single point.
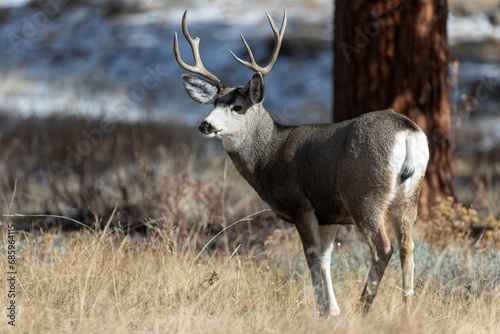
(394, 54)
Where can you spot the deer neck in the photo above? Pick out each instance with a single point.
(255, 153)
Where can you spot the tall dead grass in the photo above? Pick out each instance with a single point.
(95, 281)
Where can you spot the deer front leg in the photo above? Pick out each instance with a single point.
(327, 237)
(317, 250)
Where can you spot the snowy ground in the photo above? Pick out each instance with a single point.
(102, 60)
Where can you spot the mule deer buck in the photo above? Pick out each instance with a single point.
(365, 171)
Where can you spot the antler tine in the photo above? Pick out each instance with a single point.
(198, 67)
(278, 38)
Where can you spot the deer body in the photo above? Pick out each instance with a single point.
(365, 171)
(299, 169)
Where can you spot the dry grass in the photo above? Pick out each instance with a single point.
(198, 264)
(94, 281)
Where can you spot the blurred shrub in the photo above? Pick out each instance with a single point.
(451, 222)
(148, 177)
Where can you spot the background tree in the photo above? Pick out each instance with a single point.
(394, 54)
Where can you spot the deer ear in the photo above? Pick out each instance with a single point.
(199, 90)
(256, 88)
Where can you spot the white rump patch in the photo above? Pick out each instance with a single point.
(410, 149)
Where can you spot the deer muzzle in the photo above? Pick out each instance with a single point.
(206, 128)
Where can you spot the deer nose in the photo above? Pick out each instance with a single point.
(205, 128)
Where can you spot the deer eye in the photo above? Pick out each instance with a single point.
(237, 108)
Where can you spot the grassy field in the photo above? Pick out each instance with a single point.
(99, 281)
(167, 238)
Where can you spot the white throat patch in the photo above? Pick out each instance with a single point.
(230, 144)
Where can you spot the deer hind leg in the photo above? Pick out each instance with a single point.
(402, 217)
(370, 224)
(318, 244)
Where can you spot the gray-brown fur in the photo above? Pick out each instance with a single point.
(363, 171)
(304, 165)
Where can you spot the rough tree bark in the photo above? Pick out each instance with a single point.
(394, 54)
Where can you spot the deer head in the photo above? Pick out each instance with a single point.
(236, 109)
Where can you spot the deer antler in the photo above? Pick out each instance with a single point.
(278, 38)
(198, 68)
